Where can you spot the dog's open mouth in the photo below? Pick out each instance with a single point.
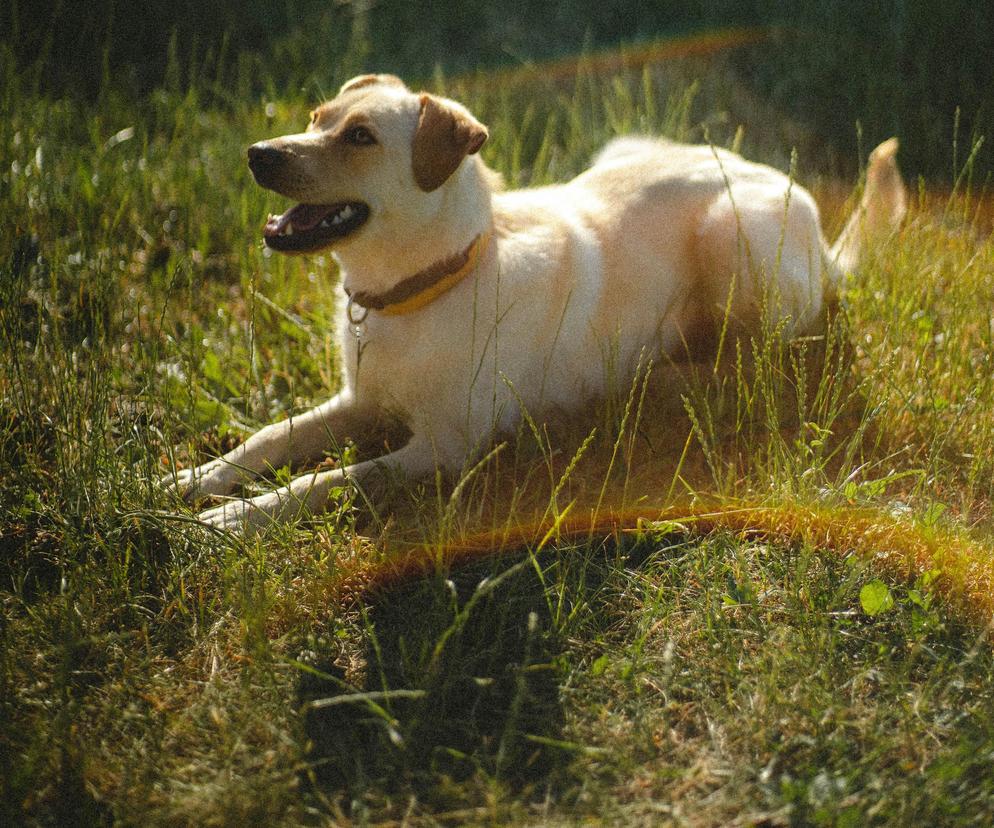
(310, 227)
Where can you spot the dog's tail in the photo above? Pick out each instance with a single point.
(880, 210)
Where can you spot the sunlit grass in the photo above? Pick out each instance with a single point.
(676, 626)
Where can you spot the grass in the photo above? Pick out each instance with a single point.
(815, 652)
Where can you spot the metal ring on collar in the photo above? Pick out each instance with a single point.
(350, 313)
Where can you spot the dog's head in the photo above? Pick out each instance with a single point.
(370, 154)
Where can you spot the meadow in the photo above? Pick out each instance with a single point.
(754, 590)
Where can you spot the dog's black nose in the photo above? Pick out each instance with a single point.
(264, 158)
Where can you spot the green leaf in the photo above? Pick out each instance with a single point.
(600, 665)
(875, 598)
(930, 517)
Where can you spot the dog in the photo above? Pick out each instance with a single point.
(464, 305)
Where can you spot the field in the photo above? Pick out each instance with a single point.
(752, 591)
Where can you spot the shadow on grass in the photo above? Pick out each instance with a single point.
(462, 677)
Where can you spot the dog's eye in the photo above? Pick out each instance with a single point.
(359, 136)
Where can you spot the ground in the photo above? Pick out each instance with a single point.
(778, 612)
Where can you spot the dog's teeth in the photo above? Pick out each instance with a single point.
(337, 219)
(324, 223)
(346, 212)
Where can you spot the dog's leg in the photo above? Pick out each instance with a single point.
(761, 247)
(293, 440)
(309, 493)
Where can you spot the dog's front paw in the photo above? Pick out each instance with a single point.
(202, 481)
(232, 516)
(245, 516)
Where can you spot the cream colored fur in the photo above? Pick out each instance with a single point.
(642, 252)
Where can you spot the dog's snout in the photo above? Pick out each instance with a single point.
(264, 158)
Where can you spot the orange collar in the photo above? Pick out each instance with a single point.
(416, 291)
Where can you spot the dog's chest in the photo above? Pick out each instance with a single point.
(406, 367)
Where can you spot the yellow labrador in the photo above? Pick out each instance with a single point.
(462, 303)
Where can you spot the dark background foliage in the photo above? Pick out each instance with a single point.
(922, 69)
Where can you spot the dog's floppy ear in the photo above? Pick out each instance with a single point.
(446, 134)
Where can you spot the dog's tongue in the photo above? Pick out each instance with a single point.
(303, 217)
